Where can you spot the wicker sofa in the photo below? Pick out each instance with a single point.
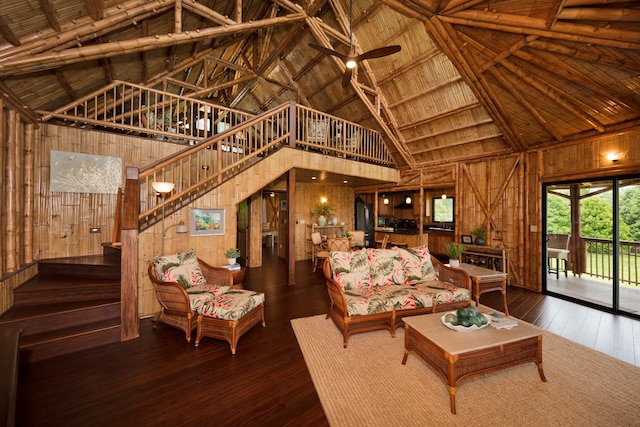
(372, 289)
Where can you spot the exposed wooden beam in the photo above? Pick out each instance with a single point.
(531, 109)
(49, 60)
(85, 28)
(8, 33)
(417, 95)
(50, 14)
(95, 9)
(441, 114)
(600, 14)
(518, 24)
(447, 39)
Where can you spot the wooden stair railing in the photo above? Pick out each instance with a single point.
(198, 169)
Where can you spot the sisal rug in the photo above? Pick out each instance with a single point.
(367, 385)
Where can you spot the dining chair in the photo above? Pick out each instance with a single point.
(357, 238)
(320, 252)
(339, 244)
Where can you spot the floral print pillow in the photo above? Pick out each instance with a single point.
(350, 269)
(182, 268)
(417, 266)
(385, 267)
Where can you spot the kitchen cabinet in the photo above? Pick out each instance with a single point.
(396, 239)
(437, 241)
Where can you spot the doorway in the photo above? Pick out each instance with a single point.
(592, 242)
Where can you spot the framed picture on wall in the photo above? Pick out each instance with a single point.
(207, 222)
(466, 239)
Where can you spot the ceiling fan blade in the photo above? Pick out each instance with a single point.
(328, 51)
(346, 78)
(378, 53)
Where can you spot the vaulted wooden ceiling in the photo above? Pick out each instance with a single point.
(474, 78)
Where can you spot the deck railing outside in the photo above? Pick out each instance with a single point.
(598, 256)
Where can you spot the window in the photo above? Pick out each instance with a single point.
(442, 209)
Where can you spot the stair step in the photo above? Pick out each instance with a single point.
(90, 266)
(41, 318)
(43, 346)
(50, 290)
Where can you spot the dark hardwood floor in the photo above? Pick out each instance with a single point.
(161, 380)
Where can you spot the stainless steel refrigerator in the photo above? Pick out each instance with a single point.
(364, 221)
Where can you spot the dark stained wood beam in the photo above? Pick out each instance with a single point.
(64, 82)
(50, 15)
(8, 33)
(95, 9)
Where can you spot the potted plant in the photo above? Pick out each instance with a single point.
(232, 254)
(480, 233)
(322, 212)
(454, 250)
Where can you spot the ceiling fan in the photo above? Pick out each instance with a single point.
(351, 59)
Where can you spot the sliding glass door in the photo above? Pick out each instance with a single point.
(592, 230)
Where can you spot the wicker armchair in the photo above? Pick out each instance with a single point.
(177, 310)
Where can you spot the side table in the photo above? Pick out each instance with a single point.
(486, 280)
(238, 277)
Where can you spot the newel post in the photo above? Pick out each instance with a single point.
(129, 321)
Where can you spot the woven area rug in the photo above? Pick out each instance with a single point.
(367, 385)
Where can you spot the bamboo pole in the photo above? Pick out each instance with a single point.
(11, 263)
(27, 239)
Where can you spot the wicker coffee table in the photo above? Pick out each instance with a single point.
(458, 355)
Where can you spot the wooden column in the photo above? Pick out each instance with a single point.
(291, 219)
(130, 324)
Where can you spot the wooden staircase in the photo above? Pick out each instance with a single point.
(72, 304)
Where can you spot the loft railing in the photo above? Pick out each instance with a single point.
(319, 131)
(598, 259)
(146, 111)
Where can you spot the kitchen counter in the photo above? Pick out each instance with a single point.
(410, 240)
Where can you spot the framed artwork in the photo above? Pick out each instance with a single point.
(283, 204)
(466, 239)
(207, 222)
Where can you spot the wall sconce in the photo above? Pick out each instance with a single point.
(323, 200)
(613, 157)
(444, 196)
(407, 200)
(385, 200)
(163, 188)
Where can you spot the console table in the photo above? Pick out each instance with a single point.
(487, 257)
(486, 280)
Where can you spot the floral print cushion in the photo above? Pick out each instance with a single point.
(385, 267)
(231, 305)
(350, 269)
(199, 294)
(182, 268)
(366, 301)
(406, 297)
(416, 263)
(443, 292)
